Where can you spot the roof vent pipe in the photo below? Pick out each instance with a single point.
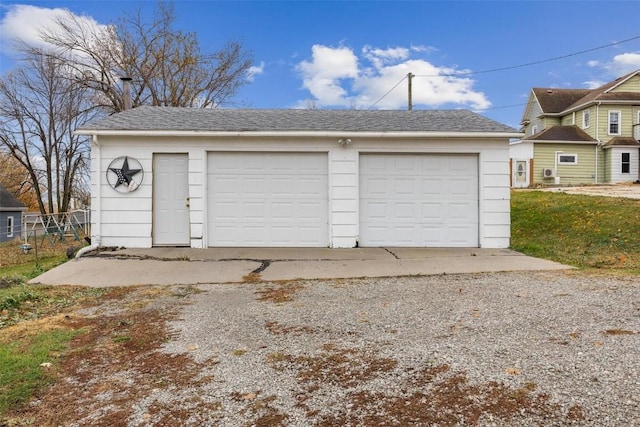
(126, 93)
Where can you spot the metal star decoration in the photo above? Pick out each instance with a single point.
(125, 174)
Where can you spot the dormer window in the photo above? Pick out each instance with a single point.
(586, 119)
(614, 122)
(534, 130)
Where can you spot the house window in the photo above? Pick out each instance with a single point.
(534, 129)
(586, 119)
(614, 122)
(567, 159)
(10, 226)
(626, 163)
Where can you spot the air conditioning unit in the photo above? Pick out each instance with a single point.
(548, 173)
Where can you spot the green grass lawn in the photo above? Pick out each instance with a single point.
(587, 232)
(28, 343)
(26, 365)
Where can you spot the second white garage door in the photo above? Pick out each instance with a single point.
(267, 199)
(421, 200)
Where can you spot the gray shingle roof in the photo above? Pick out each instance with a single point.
(219, 120)
(9, 202)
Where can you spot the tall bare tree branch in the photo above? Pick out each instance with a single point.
(40, 107)
(168, 66)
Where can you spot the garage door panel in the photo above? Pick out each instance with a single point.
(249, 186)
(432, 212)
(376, 210)
(405, 211)
(459, 236)
(374, 187)
(462, 186)
(405, 186)
(431, 186)
(462, 212)
(267, 199)
(308, 210)
(431, 164)
(416, 199)
(310, 187)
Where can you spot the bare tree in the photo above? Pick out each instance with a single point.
(167, 65)
(40, 109)
(61, 88)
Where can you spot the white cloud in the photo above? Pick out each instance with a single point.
(254, 71)
(336, 77)
(593, 84)
(619, 65)
(379, 57)
(25, 23)
(625, 63)
(422, 48)
(323, 75)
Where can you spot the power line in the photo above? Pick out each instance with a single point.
(503, 106)
(528, 64)
(512, 67)
(388, 92)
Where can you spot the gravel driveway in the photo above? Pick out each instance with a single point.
(553, 348)
(629, 191)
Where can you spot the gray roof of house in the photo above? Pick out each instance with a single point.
(8, 202)
(220, 120)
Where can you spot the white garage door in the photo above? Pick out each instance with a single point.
(421, 200)
(267, 199)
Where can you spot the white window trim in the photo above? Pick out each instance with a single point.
(534, 129)
(619, 113)
(586, 119)
(10, 226)
(574, 155)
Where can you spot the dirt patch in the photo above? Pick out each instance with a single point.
(284, 292)
(432, 395)
(278, 328)
(620, 332)
(116, 362)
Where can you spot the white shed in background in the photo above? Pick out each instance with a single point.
(521, 163)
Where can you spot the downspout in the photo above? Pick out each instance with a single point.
(96, 217)
(596, 174)
(555, 166)
(597, 137)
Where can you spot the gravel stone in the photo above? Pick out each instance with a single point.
(571, 336)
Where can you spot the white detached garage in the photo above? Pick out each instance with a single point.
(299, 178)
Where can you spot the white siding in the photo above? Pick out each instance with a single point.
(343, 197)
(126, 219)
(615, 163)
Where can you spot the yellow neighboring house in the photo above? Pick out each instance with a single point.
(583, 136)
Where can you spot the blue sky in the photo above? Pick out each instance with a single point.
(349, 54)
